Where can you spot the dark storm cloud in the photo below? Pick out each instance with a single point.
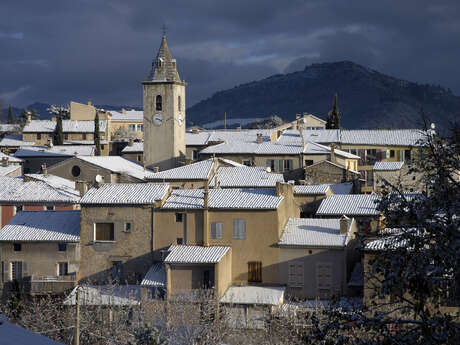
(56, 51)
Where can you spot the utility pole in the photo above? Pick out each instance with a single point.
(77, 321)
(225, 120)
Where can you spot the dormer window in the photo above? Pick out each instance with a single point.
(159, 103)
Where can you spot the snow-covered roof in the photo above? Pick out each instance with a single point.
(271, 295)
(5, 128)
(55, 151)
(126, 194)
(181, 254)
(195, 171)
(314, 232)
(243, 177)
(226, 198)
(15, 141)
(118, 165)
(326, 161)
(54, 181)
(15, 190)
(156, 275)
(386, 166)
(315, 136)
(313, 189)
(352, 204)
(42, 226)
(11, 159)
(12, 334)
(196, 139)
(128, 116)
(386, 242)
(136, 147)
(68, 126)
(105, 295)
(342, 188)
(5, 171)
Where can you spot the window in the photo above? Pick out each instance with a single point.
(39, 136)
(354, 151)
(104, 232)
(84, 136)
(62, 247)
(390, 154)
(16, 270)
(239, 229)
(76, 171)
(247, 162)
(66, 136)
(216, 230)
(308, 162)
(117, 270)
(295, 274)
(270, 163)
(323, 276)
(288, 164)
(179, 217)
(17, 247)
(102, 147)
(50, 208)
(180, 240)
(139, 158)
(159, 103)
(140, 128)
(127, 227)
(255, 271)
(63, 269)
(371, 156)
(19, 208)
(179, 103)
(195, 155)
(132, 127)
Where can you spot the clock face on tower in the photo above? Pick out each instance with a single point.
(158, 119)
(180, 120)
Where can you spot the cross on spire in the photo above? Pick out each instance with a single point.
(163, 28)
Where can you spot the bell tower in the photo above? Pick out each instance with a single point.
(164, 113)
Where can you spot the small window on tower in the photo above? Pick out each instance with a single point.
(159, 103)
(179, 103)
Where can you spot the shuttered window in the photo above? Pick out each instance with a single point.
(216, 230)
(63, 268)
(324, 275)
(104, 232)
(295, 274)
(16, 270)
(239, 229)
(255, 271)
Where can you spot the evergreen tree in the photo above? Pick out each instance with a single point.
(23, 117)
(10, 114)
(58, 135)
(97, 138)
(333, 117)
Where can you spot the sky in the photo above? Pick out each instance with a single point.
(58, 51)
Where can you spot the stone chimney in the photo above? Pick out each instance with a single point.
(283, 188)
(44, 169)
(259, 138)
(131, 142)
(156, 169)
(333, 159)
(90, 103)
(206, 195)
(28, 117)
(81, 186)
(123, 111)
(5, 161)
(344, 224)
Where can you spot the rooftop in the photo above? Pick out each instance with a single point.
(128, 116)
(118, 165)
(349, 204)
(55, 151)
(15, 141)
(226, 198)
(5, 171)
(313, 189)
(314, 232)
(68, 126)
(196, 171)
(245, 177)
(156, 276)
(126, 194)
(180, 254)
(136, 147)
(53, 181)
(388, 166)
(105, 295)
(42, 226)
(11, 159)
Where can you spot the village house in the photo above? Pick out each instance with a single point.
(10, 166)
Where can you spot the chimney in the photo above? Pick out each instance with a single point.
(28, 117)
(344, 224)
(333, 160)
(5, 162)
(297, 116)
(123, 111)
(131, 142)
(259, 138)
(81, 186)
(44, 169)
(195, 130)
(206, 194)
(90, 103)
(283, 188)
(156, 169)
(49, 143)
(305, 115)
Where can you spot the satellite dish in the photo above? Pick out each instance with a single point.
(268, 169)
(99, 178)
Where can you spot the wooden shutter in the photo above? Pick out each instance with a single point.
(254, 271)
(219, 231)
(299, 273)
(213, 230)
(242, 229)
(324, 276)
(292, 279)
(235, 229)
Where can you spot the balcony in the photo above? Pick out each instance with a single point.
(44, 285)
